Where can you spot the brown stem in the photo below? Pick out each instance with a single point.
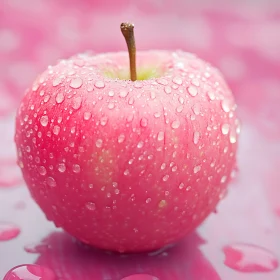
(128, 33)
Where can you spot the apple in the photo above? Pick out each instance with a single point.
(128, 165)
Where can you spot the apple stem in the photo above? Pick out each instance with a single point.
(128, 33)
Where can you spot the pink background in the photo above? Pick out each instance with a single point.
(242, 38)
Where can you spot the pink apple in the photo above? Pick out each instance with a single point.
(122, 165)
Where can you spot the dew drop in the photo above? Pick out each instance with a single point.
(56, 129)
(77, 102)
(225, 128)
(140, 145)
(87, 116)
(126, 172)
(181, 186)
(51, 182)
(175, 124)
(103, 121)
(167, 89)
(30, 272)
(76, 83)
(46, 98)
(42, 170)
(57, 81)
(232, 137)
(44, 120)
(90, 87)
(148, 200)
(8, 231)
(160, 136)
(177, 80)
(196, 136)
(99, 143)
(111, 105)
(90, 206)
(59, 97)
(163, 166)
(196, 108)
(162, 81)
(111, 93)
(211, 95)
(192, 90)
(195, 82)
(99, 84)
(225, 105)
(153, 95)
(157, 115)
(223, 179)
(144, 122)
(61, 167)
(121, 138)
(131, 100)
(165, 178)
(196, 168)
(123, 93)
(249, 258)
(76, 168)
(174, 168)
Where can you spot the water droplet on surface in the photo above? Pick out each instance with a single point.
(167, 89)
(192, 90)
(111, 105)
(90, 206)
(196, 136)
(165, 178)
(160, 136)
(148, 200)
(223, 179)
(30, 272)
(249, 258)
(57, 81)
(51, 182)
(232, 137)
(162, 203)
(123, 93)
(42, 170)
(8, 231)
(162, 81)
(46, 98)
(77, 102)
(87, 116)
(211, 95)
(44, 120)
(181, 186)
(140, 277)
(175, 124)
(103, 121)
(76, 83)
(126, 172)
(140, 145)
(180, 108)
(99, 143)
(144, 122)
(196, 168)
(99, 84)
(163, 166)
(76, 168)
(121, 138)
(177, 80)
(225, 128)
(56, 129)
(61, 167)
(196, 108)
(157, 115)
(225, 105)
(153, 95)
(195, 82)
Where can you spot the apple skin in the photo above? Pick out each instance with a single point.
(128, 166)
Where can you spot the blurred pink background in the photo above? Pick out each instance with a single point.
(241, 38)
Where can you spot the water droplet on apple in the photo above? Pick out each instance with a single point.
(225, 128)
(30, 272)
(144, 122)
(197, 168)
(99, 84)
(180, 108)
(167, 89)
(238, 126)
(8, 231)
(157, 115)
(76, 168)
(232, 137)
(148, 200)
(87, 116)
(123, 93)
(177, 80)
(90, 87)
(225, 105)
(121, 138)
(103, 121)
(174, 168)
(111, 105)
(160, 136)
(175, 124)
(181, 186)
(196, 136)
(192, 90)
(46, 98)
(140, 144)
(131, 100)
(42, 170)
(51, 182)
(56, 129)
(111, 93)
(223, 179)
(99, 143)
(61, 167)
(76, 83)
(138, 84)
(196, 108)
(195, 82)
(44, 120)
(77, 102)
(90, 206)
(249, 258)
(57, 81)
(162, 81)
(126, 172)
